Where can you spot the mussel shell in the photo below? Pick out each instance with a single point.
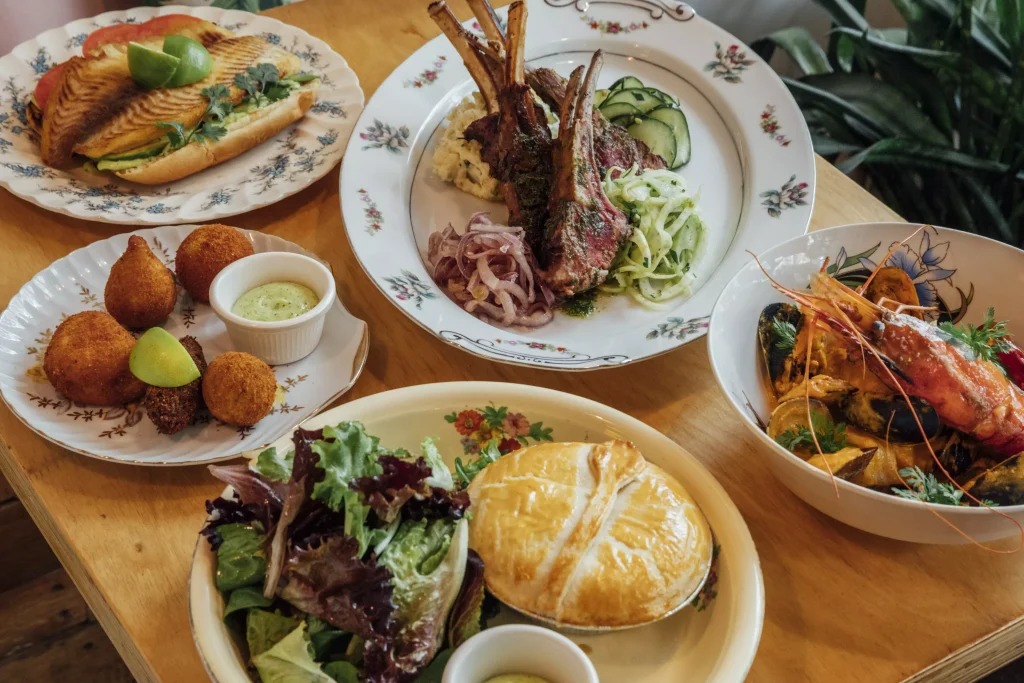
(792, 415)
(872, 412)
(776, 357)
(1003, 484)
(958, 455)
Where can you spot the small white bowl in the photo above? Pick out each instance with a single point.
(281, 341)
(945, 263)
(519, 649)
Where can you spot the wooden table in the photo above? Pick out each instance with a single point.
(841, 605)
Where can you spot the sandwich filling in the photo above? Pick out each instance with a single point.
(263, 88)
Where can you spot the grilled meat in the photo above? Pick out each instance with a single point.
(94, 88)
(524, 156)
(136, 122)
(173, 409)
(613, 145)
(584, 230)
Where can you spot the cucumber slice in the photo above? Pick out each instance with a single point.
(676, 120)
(638, 97)
(627, 82)
(663, 96)
(656, 135)
(599, 97)
(615, 109)
(626, 120)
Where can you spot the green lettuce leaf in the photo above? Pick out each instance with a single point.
(264, 630)
(274, 467)
(427, 560)
(441, 476)
(342, 672)
(433, 673)
(291, 661)
(325, 638)
(240, 557)
(244, 598)
(352, 454)
(466, 471)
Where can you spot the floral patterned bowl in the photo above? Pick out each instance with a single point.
(291, 161)
(959, 273)
(752, 163)
(714, 640)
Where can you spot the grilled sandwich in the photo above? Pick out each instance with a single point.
(93, 108)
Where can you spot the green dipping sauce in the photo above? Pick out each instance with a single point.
(581, 305)
(275, 301)
(516, 678)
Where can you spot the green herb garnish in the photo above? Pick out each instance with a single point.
(926, 488)
(257, 81)
(985, 341)
(218, 106)
(785, 333)
(466, 471)
(831, 435)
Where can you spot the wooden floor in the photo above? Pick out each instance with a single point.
(47, 634)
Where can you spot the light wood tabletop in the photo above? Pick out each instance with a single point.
(841, 605)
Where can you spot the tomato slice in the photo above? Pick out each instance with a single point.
(118, 33)
(47, 83)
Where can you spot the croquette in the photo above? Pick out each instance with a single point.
(204, 253)
(239, 388)
(173, 408)
(140, 290)
(87, 361)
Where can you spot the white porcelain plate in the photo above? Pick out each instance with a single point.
(295, 158)
(75, 283)
(752, 164)
(713, 641)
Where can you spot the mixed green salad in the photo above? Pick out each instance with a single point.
(344, 561)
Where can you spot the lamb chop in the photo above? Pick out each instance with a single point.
(613, 145)
(584, 230)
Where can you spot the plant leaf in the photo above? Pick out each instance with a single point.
(799, 44)
(845, 14)
(881, 103)
(805, 93)
(902, 152)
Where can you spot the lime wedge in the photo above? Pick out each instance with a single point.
(160, 360)
(196, 62)
(151, 68)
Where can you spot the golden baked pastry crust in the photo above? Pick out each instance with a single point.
(587, 535)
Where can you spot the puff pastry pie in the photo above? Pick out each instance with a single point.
(587, 535)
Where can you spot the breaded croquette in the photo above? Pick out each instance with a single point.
(140, 289)
(204, 253)
(87, 361)
(174, 408)
(239, 388)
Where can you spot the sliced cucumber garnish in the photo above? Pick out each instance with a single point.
(619, 109)
(599, 97)
(638, 97)
(625, 120)
(676, 120)
(627, 82)
(658, 136)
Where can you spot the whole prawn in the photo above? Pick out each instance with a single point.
(970, 394)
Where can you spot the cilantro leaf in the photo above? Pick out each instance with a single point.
(219, 102)
(985, 341)
(176, 134)
(257, 80)
(785, 332)
(209, 132)
(466, 471)
(925, 487)
(831, 435)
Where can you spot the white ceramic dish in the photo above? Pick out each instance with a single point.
(75, 283)
(957, 270)
(292, 160)
(519, 649)
(752, 164)
(281, 341)
(715, 642)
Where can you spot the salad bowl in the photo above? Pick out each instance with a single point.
(962, 274)
(715, 639)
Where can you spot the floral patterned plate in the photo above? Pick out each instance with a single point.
(75, 283)
(291, 161)
(713, 641)
(752, 164)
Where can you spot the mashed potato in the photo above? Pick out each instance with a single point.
(457, 160)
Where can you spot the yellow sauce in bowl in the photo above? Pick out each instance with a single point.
(516, 678)
(275, 301)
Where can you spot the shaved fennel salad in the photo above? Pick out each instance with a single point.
(668, 238)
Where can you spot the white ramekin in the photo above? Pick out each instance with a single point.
(519, 649)
(281, 341)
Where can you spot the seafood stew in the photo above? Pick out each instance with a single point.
(880, 388)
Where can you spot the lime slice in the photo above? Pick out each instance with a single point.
(151, 68)
(159, 359)
(196, 62)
